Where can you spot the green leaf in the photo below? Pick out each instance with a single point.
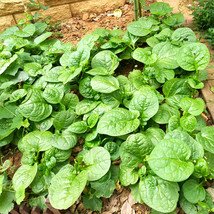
(22, 179)
(104, 84)
(175, 19)
(79, 58)
(91, 202)
(78, 127)
(85, 106)
(193, 106)
(134, 150)
(6, 202)
(45, 124)
(38, 202)
(53, 74)
(64, 141)
(35, 141)
(7, 126)
(176, 89)
(34, 106)
(85, 88)
(155, 135)
(27, 31)
(166, 55)
(89, 40)
(206, 138)
(164, 113)
(118, 122)
(100, 71)
(193, 56)
(103, 188)
(160, 8)
(70, 100)
(146, 102)
(136, 193)
(128, 176)
(105, 59)
(92, 120)
(63, 119)
(188, 207)
(196, 148)
(139, 28)
(162, 74)
(144, 55)
(159, 194)
(97, 162)
(66, 187)
(188, 123)
(42, 37)
(193, 191)
(69, 75)
(17, 94)
(53, 93)
(169, 160)
(113, 99)
(184, 34)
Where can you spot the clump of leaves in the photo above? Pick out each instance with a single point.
(203, 13)
(150, 119)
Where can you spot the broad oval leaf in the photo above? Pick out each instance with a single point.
(139, 28)
(144, 55)
(118, 122)
(85, 106)
(106, 59)
(104, 84)
(184, 34)
(193, 106)
(134, 150)
(169, 160)
(193, 56)
(24, 176)
(35, 141)
(65, 141)
(166, 55)
(66, 187)
(206, 138)
(196, 148)
(164, 113)
(159, 194)
(193, 191)
(34, 106)
(176, 89)
(188, 123)
(146, 102)
(160, 8)
(98, 162)
(53, 93)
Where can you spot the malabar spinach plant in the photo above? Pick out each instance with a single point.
(54, 97)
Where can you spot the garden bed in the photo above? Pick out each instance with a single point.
(157, 102)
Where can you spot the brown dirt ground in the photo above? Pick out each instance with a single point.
(77, 27)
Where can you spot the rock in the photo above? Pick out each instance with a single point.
(6, 21)
(95, 6)
(85, 16)
(57, 2)
(126, 208)
(57, 13)
(11, 6)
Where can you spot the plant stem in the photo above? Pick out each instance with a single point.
(140, 9)
(136, 10)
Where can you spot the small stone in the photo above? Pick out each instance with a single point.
(85, 16)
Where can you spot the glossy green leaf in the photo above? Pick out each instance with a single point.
(169, 160)
(118, 122)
